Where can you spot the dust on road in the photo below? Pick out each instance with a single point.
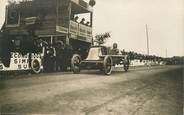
(157, 91)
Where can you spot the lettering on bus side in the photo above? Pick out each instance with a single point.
(36, 56)
(17, 55)
(23, 66)
(19, 67)
(21, 61)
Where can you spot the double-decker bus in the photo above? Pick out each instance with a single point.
(45, 35)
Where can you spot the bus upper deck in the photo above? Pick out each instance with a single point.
(51, 17)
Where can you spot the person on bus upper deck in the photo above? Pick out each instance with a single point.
(76, 18)
(82, 21)
(87, 23)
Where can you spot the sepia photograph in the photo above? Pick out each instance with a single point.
(91, 57)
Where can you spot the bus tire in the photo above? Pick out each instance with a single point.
(36, 66)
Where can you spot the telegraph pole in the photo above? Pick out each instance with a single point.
(147, 36)
(148, 52)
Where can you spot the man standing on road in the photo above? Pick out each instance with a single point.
(49, 59)
(59, 55)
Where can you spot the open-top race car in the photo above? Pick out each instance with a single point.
(102, 58)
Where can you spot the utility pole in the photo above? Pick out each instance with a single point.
(166, 53)
(147, 36)
(148, 52)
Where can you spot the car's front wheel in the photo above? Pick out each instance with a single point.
(107, 65)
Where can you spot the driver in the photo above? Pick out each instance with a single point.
(115, 50)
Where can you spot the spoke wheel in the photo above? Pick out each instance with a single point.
(107, 65)
(126, 65)
(36, 66)
(75, 63)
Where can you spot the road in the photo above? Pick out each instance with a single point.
(141, 91)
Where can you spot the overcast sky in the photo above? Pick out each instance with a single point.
(126, 20)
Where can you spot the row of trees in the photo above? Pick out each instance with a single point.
(176, 60)
(101, 39)
(134, 55)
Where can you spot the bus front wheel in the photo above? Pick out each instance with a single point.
(35, 66)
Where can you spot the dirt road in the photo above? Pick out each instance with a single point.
(157, 91)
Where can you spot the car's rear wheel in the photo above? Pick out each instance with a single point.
(126, 65)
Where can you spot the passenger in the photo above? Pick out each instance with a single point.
(115, 50)
(82, 21)
(76, 18)
(87, 24)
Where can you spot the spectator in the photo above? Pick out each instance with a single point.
(76, 18)
(60, 46)
(87, 24)
(82, 21)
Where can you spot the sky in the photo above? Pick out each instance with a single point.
(126, 20)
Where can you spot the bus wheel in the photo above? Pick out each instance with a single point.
(75, 63)
(35, 66)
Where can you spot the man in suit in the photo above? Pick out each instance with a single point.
(60, 47)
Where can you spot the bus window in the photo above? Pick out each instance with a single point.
(85, 16)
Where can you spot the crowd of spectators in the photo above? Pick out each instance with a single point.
(169, 61)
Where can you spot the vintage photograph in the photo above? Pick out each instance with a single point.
(91, 57)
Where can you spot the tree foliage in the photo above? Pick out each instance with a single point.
(102, 38)
(11, 2)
